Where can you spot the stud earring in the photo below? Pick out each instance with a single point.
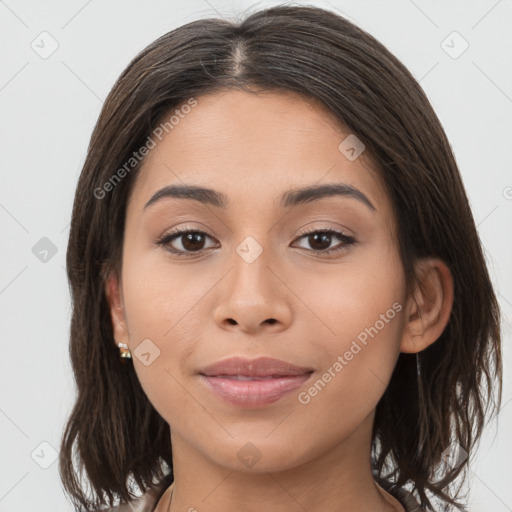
(124, 351)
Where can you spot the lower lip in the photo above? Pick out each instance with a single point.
(253, 393)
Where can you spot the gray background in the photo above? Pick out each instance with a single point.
(49, 104)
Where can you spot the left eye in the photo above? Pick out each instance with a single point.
(321, 240)
(192, 241)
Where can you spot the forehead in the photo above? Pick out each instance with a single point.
(253, 145)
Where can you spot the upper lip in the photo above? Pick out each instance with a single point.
(260, 367)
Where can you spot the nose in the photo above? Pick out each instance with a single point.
(253, 298)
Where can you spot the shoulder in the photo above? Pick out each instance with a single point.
(407, 500)
(402, 495)
(145, 503)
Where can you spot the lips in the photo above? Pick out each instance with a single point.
(261, 367)
(252, 383)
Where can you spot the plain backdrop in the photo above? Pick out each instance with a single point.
(59, 60)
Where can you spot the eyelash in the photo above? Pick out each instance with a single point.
(166, 239)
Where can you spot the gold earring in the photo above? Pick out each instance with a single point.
(125, 351)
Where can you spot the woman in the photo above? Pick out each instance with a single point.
(280, 300)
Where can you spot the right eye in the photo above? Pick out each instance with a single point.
(192, 241)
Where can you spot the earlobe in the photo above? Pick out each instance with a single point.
(429, 308)
(113, 293)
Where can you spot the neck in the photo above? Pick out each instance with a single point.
(338, 479)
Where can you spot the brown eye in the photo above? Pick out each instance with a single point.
(191, 241)
(320, 241)
(184, 242)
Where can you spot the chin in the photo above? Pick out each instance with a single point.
(258, 456)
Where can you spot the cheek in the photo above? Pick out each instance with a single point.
(361, 306)
(355, 374)
(352, 298)
(162, 307)
(161, 297)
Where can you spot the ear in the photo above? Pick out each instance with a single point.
(114, 294)
(429, 308)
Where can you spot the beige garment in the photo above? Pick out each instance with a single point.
(405, 498)
(148, 501)
(145, 503)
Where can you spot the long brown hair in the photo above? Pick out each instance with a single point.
(114, 435)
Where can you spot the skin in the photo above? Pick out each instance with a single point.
(204, 307)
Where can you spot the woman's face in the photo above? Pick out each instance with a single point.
(253, 280)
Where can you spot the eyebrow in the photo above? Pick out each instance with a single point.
(289, 199)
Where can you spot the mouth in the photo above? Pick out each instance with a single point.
(261, 367)
(250, 378)
(252, 383)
